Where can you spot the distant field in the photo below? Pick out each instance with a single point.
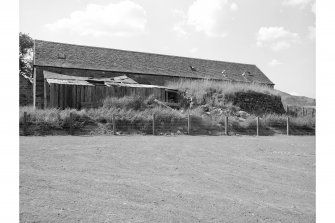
(167, 179)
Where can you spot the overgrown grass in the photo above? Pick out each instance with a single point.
(129, 102)
(304, 122)
(128, 117)
(99, 121)
(206, 91)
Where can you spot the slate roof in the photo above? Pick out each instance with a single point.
(96, 58)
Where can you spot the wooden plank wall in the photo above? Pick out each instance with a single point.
(73, 96)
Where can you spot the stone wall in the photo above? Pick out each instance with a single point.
(257, 103)
(26, 91)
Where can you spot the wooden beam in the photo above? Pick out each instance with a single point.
(226, 125)
(82, 94)
(45, 104)
(74, 96)
(52, 95)
(257, 125)
(78, 96)
(61, 96)
(56, 96)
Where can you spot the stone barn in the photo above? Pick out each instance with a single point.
(143, 68)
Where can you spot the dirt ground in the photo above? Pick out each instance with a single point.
(167, 179)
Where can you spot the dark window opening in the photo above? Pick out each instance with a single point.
(172, 96)
(98, 82)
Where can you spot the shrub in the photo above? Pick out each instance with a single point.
(127, 102)
(274, 120)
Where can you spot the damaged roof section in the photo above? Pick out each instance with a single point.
(55, 78)
(63, 91)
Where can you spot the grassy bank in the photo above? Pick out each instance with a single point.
(134, 115)
(205, 91)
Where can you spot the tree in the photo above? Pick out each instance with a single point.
(26, 54)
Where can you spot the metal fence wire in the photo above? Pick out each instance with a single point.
(186, 124)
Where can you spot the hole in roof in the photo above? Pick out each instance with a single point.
(193, 68)
(248, 73)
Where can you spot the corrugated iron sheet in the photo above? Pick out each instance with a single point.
(124, 81)
(68, 82)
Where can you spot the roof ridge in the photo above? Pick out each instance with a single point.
(168, 55)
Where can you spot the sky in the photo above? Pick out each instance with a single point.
(278, 36)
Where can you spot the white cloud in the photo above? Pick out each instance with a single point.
(233, 6)
(282, 45)
(274, 63)
(314, 8)
(205, 16)
(276, 38)
(180, 30)
(311, 32)
(179, 13)
(194, 50)
(125, 18)
(274, 33)
(297, 3)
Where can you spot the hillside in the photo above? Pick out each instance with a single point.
(300, 101)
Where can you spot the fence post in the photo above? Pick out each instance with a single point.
(288, 126)
(188, 124)
(113, 123)
(71, 124)
(257, 121)
(226, 125)
(153, 124)
(24, 123)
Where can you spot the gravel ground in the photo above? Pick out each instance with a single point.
(167, 179)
